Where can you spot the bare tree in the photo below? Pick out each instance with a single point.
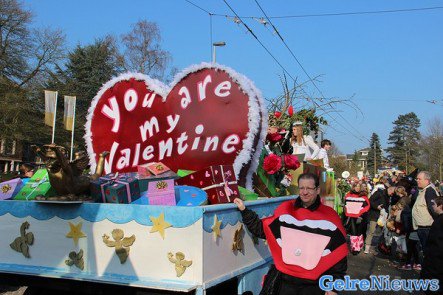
(432, 148)
(25, 53)
(15, 40)
(26, 58)
(142, 52)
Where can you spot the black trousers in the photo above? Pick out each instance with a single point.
(354, 229)
(412, 251)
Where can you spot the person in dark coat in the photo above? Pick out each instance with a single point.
(306, 239)
(412, 257)
(433, 254)
(379, 200)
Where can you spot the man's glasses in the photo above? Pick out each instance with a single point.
(309, 189)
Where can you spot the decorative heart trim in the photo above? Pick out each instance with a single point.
(210, 115)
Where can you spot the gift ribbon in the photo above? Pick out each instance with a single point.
(111, 181)
(228, 190)
(219, 185)
(35, 186)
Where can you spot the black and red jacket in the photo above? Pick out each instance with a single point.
(305, 243)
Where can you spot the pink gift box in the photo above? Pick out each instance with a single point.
(161, 192)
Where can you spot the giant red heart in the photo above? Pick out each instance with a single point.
(211, 116)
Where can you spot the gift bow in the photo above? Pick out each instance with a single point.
(114, 179)
(35, 185)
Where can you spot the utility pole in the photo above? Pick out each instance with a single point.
(406, 166)
(375, 159)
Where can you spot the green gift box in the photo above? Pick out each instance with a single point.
(183, 173)
(247, 195)
(38, 185)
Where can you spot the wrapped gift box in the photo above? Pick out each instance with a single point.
(219, 182)
(161, 192)
(10, 188)
(38, 185)
(116, 188)
(157, 168)
(190, 196)
(183, 173)
(144, 181)
(153, 168)
(143, 170)
(247, 195)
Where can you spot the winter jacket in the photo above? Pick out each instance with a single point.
(379, 197)
(255, 226)
(433, 254)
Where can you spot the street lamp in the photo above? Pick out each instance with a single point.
(214, 45)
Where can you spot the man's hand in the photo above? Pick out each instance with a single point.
(380, 207)
(330, 293)
(240, 204)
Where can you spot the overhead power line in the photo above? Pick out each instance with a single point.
(359, 135)
(344, 13)
(284, 69)
(256, 38)
(419, 9)
(199, 7)
(238, 20)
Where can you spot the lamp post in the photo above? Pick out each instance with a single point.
(214, 45)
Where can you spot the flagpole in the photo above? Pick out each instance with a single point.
(73, 127)
(55, 114)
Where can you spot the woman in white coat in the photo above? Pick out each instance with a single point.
(303, 144)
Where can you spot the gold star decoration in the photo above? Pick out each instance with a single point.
(159, 224)
(216, 227)
(76, 232)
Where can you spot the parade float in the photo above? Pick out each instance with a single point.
(155, 213)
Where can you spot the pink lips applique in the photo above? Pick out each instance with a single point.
(305, 242)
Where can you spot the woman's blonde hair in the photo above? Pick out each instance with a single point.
(298, 135)
(401, 191)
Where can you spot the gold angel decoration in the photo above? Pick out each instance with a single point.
(120, 243)
(76, 259)
(22, 243)
(6, 188)
(237, 244)
(180, 263)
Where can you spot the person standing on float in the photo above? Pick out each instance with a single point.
(303, 144)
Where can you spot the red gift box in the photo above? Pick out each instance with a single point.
(143, 170)
(219, 182)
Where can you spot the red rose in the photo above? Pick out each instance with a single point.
(291, 162)
(290, 111)
(274, 137)
(272, 163)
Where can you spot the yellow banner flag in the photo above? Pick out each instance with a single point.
(69, 116)
(50, 105)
